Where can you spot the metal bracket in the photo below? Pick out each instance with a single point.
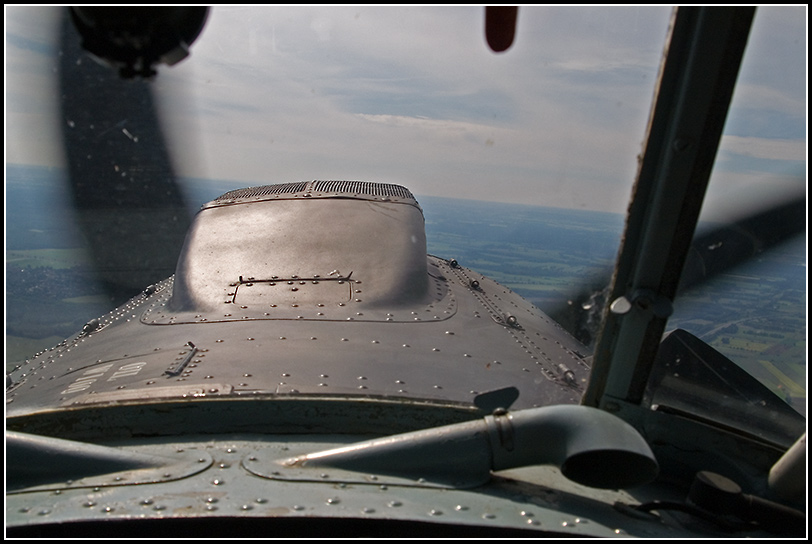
(644, 300)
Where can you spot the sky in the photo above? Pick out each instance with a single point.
(413, 96)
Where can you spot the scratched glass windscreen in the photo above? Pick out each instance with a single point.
(523, 161)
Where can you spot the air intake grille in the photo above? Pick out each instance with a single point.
(265, 190)
(320, 187)
(362, 188)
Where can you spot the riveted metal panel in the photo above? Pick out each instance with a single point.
(227, 490)
(408, 351)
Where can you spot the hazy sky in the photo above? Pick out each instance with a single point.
(414, 96)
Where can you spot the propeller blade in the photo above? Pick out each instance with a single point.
(721, 249)
(713, 252)
(126, 195)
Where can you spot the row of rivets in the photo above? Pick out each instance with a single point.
(90, 329)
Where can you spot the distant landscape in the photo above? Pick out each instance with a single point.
(755, 315)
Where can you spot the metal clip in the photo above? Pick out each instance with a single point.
(644, 300)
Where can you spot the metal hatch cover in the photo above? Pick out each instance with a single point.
(277, 290)
(327, 300)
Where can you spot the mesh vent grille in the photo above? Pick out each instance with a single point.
(347, 187)
(250, 192)
(362, 188)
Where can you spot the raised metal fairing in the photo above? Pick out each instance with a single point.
(37, 463)
(269, 246)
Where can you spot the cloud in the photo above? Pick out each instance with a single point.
(413, 94)
(765, 148)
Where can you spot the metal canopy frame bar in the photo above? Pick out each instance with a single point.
(696, 83)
